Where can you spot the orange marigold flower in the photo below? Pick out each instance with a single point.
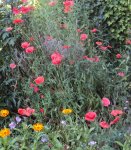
(4, 113)
(67, 111)
(38, 127)
(4, 132)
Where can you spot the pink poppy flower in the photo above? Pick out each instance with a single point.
(121, 74)
(29, 50)
(94, 30)
(36, 89)
(39, 80)
(52, 3)
(8, 29)
(90, 116)
(118, 56)
(103, 48)
(104, 124)
(66, 46)
(128, 42)
(83, 37)
(115, 120)
(25, 45)
(49, 37)
(42, 96)
(26, 112)
(79, 30)
(116, 112)
(29, 111)
(105, 101)
(109, 46)
(96, 59)
(56, 61)
(24, 1)
(56, 58)
(32, 85)
(12, 66)
(31, 39)
(41, 110)
(99, 43)
(68, 4)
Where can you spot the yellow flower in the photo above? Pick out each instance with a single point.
(38, 127)
(4, 132)
(4, 113)
(67, 111)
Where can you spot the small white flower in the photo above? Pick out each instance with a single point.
(63, 122)
(91, 143)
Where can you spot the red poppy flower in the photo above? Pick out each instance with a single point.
(39, 80)
(83, 37)
(118, 56)
(16, 11)
(18, 21)
(115, 120)
(105, 101)
(21, 111)
(90, 116)
(104, 124)
(116, 112)
(25, 45)
(25, 9)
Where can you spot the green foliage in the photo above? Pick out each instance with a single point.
(112, 17)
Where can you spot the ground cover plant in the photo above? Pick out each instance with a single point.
(65, 81)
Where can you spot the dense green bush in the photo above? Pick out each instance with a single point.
(111, 17)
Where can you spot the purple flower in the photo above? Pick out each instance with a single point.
(44, 139)
(12, 125)
(18, 119)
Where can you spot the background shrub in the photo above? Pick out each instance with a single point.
(111, 17)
